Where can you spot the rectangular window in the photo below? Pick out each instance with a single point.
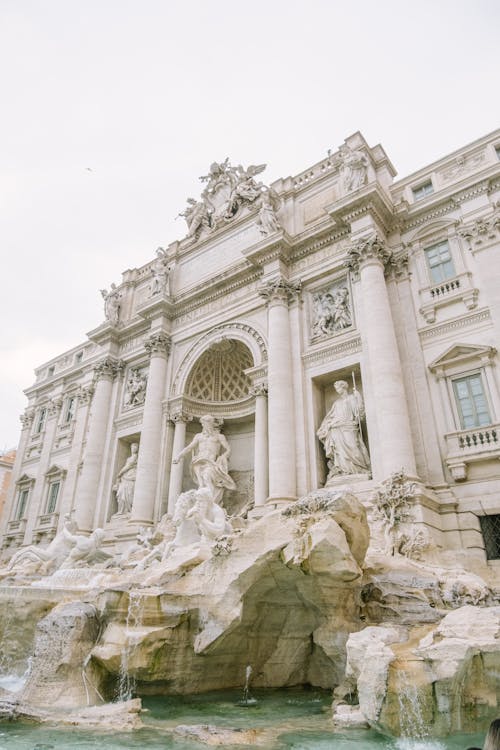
(471, 401)
(422, 190)
(52, 498)
(21, 504)
(440, 262)
(78, 357)
(497, 149)
(51, 371)
(490, 528)
(40, 421)
(70, 410)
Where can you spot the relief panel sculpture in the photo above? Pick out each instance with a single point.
(331, 310)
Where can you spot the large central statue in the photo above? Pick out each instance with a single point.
(210, 456)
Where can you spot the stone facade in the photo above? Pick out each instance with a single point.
(276, 293)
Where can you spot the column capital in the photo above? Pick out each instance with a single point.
(158, 344)
(180, 416)
(279, 290)
(54, 407)
(85, 394)
(259, 389)
(397, 267)
(27, 418)
(365, 250)
(108, 368)
(482, 232)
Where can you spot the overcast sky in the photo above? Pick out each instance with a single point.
(111, 109)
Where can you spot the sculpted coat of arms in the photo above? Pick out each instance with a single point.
(227, 190)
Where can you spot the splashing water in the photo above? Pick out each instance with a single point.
(411, 721)
(126, 682)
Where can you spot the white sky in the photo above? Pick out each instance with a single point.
(147, 93)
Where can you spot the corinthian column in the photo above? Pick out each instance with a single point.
(88, 485)
(175, 487)
(158, 347)
(281, 430)
(368, 257)
(261, 456)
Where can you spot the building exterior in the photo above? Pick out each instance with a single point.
(7, 459)
(276, 293)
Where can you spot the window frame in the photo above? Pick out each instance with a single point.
(422, 186)
(477, 373)
(429, 267)
(52, 501)
(40, 420)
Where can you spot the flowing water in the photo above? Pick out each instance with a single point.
(126, 682)
(286, 720)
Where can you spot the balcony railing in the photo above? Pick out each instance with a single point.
(457, 289)
(468, 446)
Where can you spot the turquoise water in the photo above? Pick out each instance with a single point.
(286, 720)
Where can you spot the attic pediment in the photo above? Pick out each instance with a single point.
(463, 354)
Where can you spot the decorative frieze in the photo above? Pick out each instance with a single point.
(158, 344)
(280, 290)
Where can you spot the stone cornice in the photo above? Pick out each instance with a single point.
(277, 246)
(371, 200)
(457, 323)
(331, 352)
(279, 290)
(216, 287)
(310, 243)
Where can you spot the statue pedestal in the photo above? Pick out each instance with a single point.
(346, 479)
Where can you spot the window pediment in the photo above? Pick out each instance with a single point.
(25, 479)
(55, 472)
(462, 355)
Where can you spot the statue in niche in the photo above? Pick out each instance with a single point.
(135, 389)
(111, 304)
(160, 271)
(353, 168)
(210, 456)
(340, 433)
(266, 219)
(332, 312)
(125, 484)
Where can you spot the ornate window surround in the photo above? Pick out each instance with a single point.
(459, 288)
(466, 446)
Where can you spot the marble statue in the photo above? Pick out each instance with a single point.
(354, 167)
(392, 504)
(227, 190)
(197, 215)
(111, 304)
(331, 312)
(341, 435)
(125, 484)
(160, 271)
(210, 518)
(35, 559)
(210, 456)
(85, 550)
(266, 219)
(135, 388)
